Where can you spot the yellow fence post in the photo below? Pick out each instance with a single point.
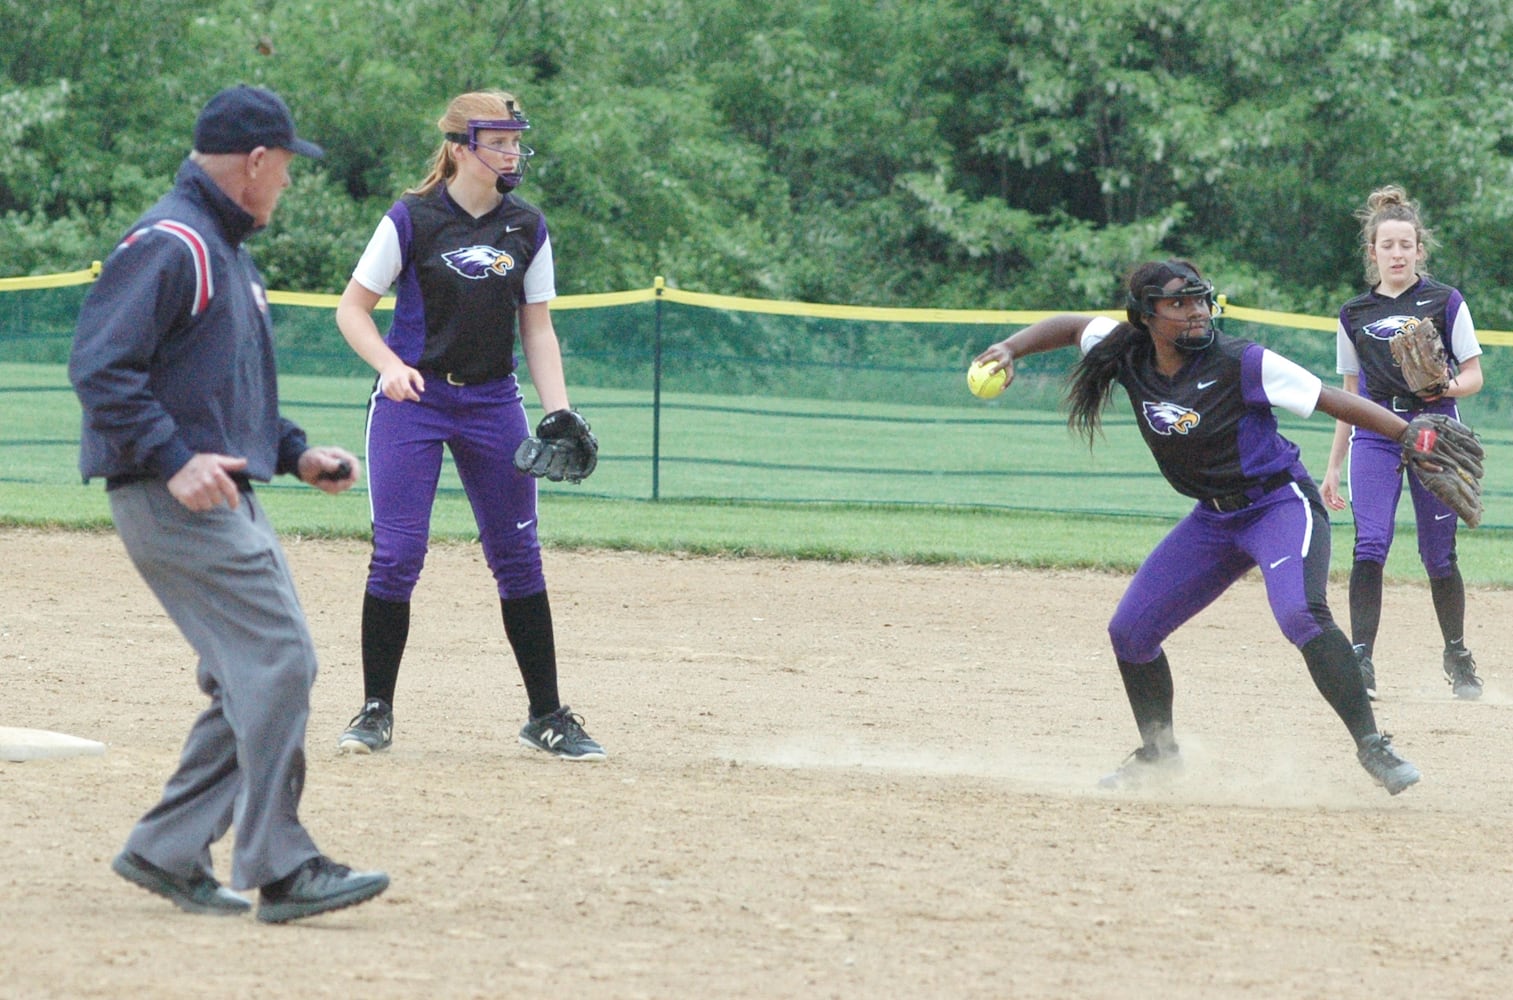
(658, 287)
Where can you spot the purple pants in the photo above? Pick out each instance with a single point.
(1376, 485)
(1285, 533)
(482, 425)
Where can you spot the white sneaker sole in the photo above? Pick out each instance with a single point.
(601, 755)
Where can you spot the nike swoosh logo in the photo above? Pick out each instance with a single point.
(1441, 517)
(516, 229)
(1423, 302)
(1205, 385)
(1279, 562)
(522, 525)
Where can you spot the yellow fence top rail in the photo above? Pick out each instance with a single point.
(776, 307)
(51, 280)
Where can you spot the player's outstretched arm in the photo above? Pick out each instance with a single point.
(1043, 335)
(1361, 412)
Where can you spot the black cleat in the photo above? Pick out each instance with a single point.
(1368, 670)
(198, 894)
(1382, 763)
(370, 730)
(561, 734)
(1460, 671)
(1146, 767)
(317, 886)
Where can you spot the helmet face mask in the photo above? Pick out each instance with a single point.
(517, 122)
(1193, 287)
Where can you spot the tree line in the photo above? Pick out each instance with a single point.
(967, 154)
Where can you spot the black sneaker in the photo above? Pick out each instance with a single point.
(199, 894)
(1382, 763)
(561, 734)
(1146, 767)
(317, 886)
(370, 730)
(1368, 670)
(1460, 671)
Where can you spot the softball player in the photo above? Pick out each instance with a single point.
(1203, 403)
(1396, 245)
(470, 262)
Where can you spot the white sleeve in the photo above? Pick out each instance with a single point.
(1092, 334)
(541, 276)
(378, 267)
(1463, 340)
(1289, 385)
(1346, 361)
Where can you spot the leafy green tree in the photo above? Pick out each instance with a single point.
(650, 185)
(958, 153)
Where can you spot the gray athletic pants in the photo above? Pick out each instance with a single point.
(222, 577)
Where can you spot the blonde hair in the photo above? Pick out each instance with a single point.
(462, 109)
(1390, 204)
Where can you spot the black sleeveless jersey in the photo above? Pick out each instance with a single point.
(1371, 319)
(1210, 426)
(461, 283)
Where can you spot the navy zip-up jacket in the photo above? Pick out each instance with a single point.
(173, 352)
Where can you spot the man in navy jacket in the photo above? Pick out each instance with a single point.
(173, 365)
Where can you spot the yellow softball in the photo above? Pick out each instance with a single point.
(983, 385)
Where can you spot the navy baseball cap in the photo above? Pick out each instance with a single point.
(239, 119)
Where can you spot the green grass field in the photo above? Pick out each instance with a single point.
(875, 480)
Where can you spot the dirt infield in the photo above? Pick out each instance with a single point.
(825, 781)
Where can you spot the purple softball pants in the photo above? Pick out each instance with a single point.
(1376, 485)
(1285, 534)
(481, 425)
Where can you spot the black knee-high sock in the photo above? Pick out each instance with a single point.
(1365, 603)
(1151, 693)
(528, 627)
(385, 630)
(1449, 594)
(1336, 674)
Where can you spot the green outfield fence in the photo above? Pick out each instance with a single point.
(712, 397)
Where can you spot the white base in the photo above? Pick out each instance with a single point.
(35, 744)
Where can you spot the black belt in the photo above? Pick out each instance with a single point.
(1407, 404)
(1239, 501)
(461, 379)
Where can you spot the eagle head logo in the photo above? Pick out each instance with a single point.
(1166, 418)
(1386, 329)
(479, 262)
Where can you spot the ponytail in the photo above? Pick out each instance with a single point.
(1090, 384)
